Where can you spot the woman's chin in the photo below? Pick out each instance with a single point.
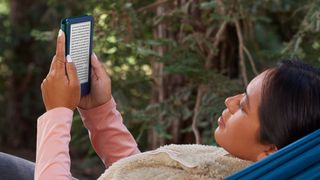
(216, 134)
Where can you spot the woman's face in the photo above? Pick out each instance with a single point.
(238, 130)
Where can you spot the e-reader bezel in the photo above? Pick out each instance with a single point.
(66, 27)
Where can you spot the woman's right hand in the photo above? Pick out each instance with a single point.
(61, 87)
(100, 92)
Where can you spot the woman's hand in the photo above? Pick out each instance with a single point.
(100, 91)
(61, 87)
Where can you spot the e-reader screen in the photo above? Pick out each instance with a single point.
(80, 48)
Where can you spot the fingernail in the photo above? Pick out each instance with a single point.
(60, 33)
(69, 60)
(94, 55)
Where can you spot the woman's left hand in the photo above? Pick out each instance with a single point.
(61, 87)
(100, 91)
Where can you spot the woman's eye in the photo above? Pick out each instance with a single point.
(241, 106)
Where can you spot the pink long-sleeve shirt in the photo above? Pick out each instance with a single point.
(108, 135)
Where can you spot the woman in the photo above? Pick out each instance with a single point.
(279, 106)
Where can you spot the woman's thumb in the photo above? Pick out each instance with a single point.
(71, 71)
(97, 66)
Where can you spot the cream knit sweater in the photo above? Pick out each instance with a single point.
(185, 162)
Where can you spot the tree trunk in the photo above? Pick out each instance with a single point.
(21, 81)
(157, 76)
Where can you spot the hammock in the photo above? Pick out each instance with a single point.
(299, 160)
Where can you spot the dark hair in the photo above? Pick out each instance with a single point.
(290, 103)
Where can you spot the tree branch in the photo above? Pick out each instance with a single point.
(243, 69)
(216, 42)
(153, 5)
(254, 69)
(200, 93)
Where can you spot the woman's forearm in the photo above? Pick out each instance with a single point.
(109, 136)
(53, 137)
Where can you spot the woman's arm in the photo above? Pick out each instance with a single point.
(53, 137)
(109, 137)
(61, 95)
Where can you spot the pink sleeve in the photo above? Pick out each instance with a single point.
(53, 137)
(109, 136)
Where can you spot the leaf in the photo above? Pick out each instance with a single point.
(146, 52)
(186, 113)
(208, 5)
(42, 35)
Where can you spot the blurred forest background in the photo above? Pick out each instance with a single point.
(172, 63)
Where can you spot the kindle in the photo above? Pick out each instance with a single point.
(78, 32)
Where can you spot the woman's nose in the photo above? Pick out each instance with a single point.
(232, 103)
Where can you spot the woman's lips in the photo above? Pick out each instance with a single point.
(221, 122)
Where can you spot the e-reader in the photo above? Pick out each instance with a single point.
(78, 32)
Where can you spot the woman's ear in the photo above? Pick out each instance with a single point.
(269, 149)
